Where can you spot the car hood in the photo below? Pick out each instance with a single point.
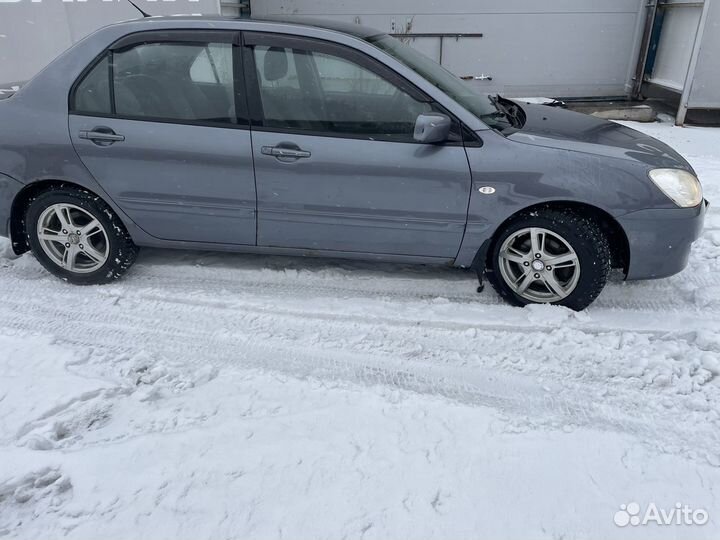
(558, 128)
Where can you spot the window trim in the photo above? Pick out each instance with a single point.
(130, 41)
(267, 39)
(135, 39)
(111, 81)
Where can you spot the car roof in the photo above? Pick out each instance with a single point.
(357, 30)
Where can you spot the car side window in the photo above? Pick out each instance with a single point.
(172, 81)
(273, 73)
(154, 80)
(340, 76)
(213, 66)
(92, 95)
(320, 92)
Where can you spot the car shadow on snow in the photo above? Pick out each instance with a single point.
(254, 262)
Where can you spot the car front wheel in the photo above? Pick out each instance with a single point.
(550, 256)
(77, 237)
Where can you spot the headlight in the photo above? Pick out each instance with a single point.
(681, 186)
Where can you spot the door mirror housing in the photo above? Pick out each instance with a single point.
(432, 128)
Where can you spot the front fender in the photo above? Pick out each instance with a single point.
(509, 177)
(9, 188)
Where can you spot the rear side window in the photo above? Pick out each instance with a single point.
(171, 81)
(213, 65)
(92, 95)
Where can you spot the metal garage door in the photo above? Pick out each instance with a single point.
(518, 47)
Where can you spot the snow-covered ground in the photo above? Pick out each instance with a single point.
(231, 396)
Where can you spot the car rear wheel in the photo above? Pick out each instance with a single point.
(77, 237)
(550, 257)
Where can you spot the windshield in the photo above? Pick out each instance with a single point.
(478, 104)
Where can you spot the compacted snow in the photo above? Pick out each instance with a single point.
(232, 396)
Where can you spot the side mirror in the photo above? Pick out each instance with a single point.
(432, 128)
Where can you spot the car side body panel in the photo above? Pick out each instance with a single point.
(389, 197)
(178, 182)
(525, 175)
(9, 188)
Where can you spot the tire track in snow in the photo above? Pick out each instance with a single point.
(303, 303)
(330, 279)
(428, 357)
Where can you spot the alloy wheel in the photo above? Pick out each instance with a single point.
(73, 238)
(539, 265)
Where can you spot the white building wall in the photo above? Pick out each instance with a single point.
(705, 90)
(32, 33)
(563, 48)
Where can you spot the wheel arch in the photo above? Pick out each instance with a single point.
(619, 244)
(25, 197)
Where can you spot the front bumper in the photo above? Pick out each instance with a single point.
(660, 239)
(9, 188)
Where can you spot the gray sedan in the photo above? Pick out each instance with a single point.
(336, 141)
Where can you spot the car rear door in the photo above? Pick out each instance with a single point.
(335, 161)
(160, 120)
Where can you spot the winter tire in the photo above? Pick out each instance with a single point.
(77, 236)
(550, 256)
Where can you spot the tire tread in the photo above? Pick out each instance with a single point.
(587, 230)
(124, 250)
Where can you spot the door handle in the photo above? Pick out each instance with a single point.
(284, 152)
(101, 135)
(481, 77)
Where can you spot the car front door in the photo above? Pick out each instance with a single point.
(160, 121)
(336, 164)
